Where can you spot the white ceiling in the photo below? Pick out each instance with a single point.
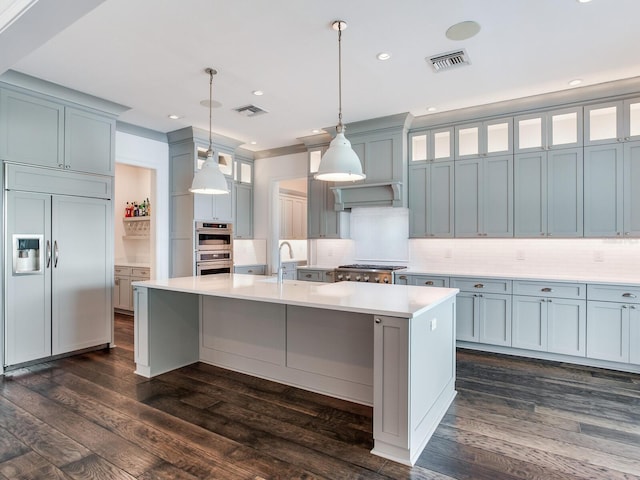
(150, 55)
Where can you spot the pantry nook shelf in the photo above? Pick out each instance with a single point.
(136, 228)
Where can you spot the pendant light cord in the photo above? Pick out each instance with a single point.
(210, 107)
(340, 127)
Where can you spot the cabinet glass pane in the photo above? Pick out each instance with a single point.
(245, 173)
(418, 148)
(564, 128)
(314, 161)
(442, 145)
(634, 119)
(603, 123)
(468, 141)
(530, 133)
(498, 138)
(202, 156)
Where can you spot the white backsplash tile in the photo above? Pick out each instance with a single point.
(250, 252)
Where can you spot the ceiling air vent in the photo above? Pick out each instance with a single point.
(250, 111)
(445, 61)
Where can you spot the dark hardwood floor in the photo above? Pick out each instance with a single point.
(90, 417)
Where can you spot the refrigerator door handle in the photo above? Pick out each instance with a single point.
(55, 254)
(48, 253)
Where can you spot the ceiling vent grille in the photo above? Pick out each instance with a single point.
(445, 61)
(250, 111)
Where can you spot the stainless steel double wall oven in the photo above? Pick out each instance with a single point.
(214, 248)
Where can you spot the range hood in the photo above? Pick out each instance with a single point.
(384, 194)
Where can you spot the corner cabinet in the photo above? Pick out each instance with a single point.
(69, 138)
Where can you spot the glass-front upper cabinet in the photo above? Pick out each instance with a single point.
(225, 160)
(432, 145)
(549, 130)
(612, 122)
(488, 138)
(243, 173)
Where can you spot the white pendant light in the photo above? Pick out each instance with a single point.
(340, 163)
(210, 179)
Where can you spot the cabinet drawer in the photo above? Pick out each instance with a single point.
(550, 289)
(428, 280)
(310, 275)
(613, 293)
(486, 285)
(122, 271)
(140, 272)
(250, 269)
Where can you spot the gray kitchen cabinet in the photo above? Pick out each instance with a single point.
(548, 130)
(548, 193)
(431, 187)
(26, 120)
(612, 190)
(421, 280)
(69, 138)
(250, 269)
(243, 226)
(487, 138)
(550, 317)
(187, 151)
(483, 310)
(612, 122)
(322, 220)
(435, 145)
(316, 275)
(89, 142)
(214, 207)
(484, 197)
(613, 319)
(122, 299)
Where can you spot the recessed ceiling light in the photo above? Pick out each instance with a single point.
(575, 82)
(258, 93)
(316, 130)
(173, 116)
(463, 30)
(583, 1)
(431, 109)
(383, 56)
(253, 142)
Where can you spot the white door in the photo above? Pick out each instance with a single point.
(82, 273)
(28, 294)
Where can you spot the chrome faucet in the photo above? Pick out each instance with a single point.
(280, 271)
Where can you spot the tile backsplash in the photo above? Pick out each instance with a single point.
(580, 259)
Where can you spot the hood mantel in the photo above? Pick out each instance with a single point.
(383, 194)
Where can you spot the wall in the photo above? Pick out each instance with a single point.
(140, 151)
(131, 184)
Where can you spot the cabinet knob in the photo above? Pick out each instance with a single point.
(378, 320)
(618, 234)
(60, 165)
(624, 306)
(619, 139)
(308, 275)
(627, 233)
(626, 139)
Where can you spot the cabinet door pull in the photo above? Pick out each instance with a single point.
(308, 275)
(428, 282)
(478, 285)
(547, 289)
(624, 306)
(402, 277)
(628, 295)
(55, 254)
(48, 253)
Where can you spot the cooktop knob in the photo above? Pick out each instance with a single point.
(386, 280)
(357, 278)
(365, 278)
(340, 277)
(377, 279)
(347, 278)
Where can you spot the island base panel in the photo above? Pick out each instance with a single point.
(323, 351)
(166, 330)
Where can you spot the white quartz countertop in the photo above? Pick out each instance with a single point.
(124, 263)
(390, 300)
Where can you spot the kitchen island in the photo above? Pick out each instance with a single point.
(388, 346)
